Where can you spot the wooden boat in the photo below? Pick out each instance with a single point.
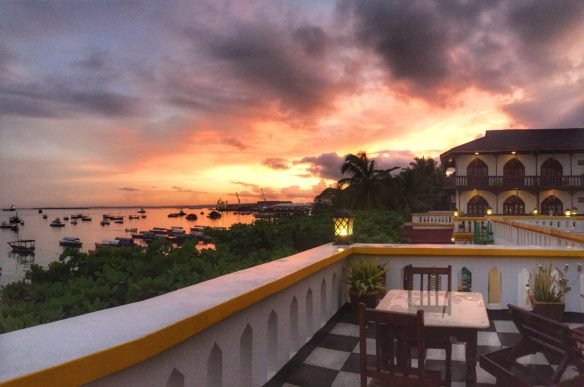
(86, 218)
(11, 208)
(133, 216)
(74, 222)
(57, 223)
(142, 211)
(16, 219)
(214, 214)
(70, 242)
(105, 222)
(191, 217)
(9, 226)
(45, 216)
(23, 246)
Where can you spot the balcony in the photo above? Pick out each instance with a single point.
(529, 183)
(244, 327)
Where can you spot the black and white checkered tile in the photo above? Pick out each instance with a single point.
(331, 357)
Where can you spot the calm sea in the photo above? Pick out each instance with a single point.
(47, 238)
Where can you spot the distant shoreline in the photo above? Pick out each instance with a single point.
(196, 206)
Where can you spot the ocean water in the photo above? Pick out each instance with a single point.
(47, 238)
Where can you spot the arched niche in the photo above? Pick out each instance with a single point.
(514, 205)
(272, 344)
(176, 379)
(215, 367)
(245, 356)
(477, 206)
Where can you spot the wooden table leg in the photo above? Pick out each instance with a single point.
(471, 355)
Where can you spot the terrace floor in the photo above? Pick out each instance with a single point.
(331, 357)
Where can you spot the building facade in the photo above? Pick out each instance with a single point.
(517, 172)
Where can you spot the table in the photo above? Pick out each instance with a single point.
(456, 314)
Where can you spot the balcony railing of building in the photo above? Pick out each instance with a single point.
(518, 233)
(241, 328)
(502, 183)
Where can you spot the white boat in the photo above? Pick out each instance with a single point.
(105, 222)
(74, 222)
(70, 242)
(142, 211)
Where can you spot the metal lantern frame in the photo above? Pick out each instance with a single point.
(343, 227)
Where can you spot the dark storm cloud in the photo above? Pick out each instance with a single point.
(544, 22)
(59, 100)
(276, 163)
(326, 165)
(276, 66)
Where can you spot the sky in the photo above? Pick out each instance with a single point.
(185, 102)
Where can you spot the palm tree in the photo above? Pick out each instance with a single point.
(420, 186)
(365, 186)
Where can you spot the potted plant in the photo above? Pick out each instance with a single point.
(547, 297)
(366, 280)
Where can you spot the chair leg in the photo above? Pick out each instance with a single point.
(448, 378)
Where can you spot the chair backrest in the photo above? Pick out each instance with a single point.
(432, 275)
(540, 334)
(392, 330)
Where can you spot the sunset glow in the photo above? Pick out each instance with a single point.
(164, 103)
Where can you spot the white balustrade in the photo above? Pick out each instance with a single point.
(241, 328)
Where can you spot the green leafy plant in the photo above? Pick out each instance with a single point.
(365, 276)
(546, 288)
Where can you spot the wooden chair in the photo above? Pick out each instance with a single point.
(394, 329)
(431, 276)
(538, 334)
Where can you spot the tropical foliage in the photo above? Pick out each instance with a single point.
(365, 276)
(416, 188)
(546, 288)
(80, 283)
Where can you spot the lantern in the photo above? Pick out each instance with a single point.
(455, 213)
(343, 227)
(535, 211)
(568, 212)
(489, 211)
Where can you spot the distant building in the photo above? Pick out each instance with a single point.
(516, 172)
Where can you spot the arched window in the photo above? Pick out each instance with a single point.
(477, 174)
(552, 206)
(551, 173)
(477, 206)
(513, 205)
(513, 173)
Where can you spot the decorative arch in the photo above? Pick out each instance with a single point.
(215, 367)
(272, 344)
(551, 173)
(176, 379)
(513, 173)
(477, 206)
(245, 356)
(293, 338)
(513, 205)
(477, 173)
(552, 206)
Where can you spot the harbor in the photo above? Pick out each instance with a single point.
(89, 232)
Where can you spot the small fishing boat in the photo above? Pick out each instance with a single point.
(57, 223)
(134, 217)
(105, 222)
(70, 242)
(9, 226)
(143, 216)
(86, 218)
(74, 222)
(16, 219)
(191, 217)
(40, 211)
(173, 215)
(11, 208)
(65, 218)
(214, 214)
(119, 221)
(23, 246)
(142, 211)
(45, 216)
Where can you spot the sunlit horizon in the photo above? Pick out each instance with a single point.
(181, 103)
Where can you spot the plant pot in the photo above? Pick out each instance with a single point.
(369, 299)
(551, 310)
